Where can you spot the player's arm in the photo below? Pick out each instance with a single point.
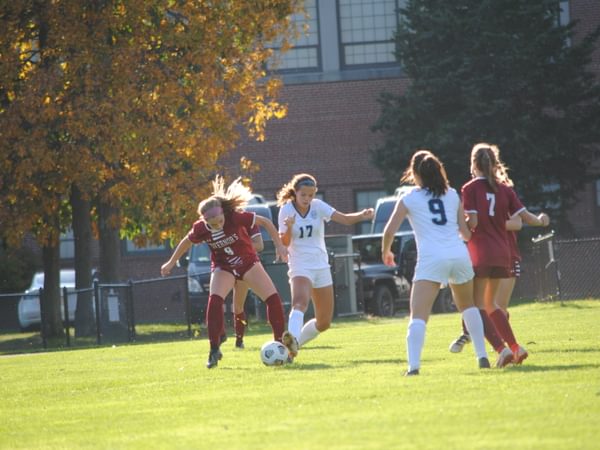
(389, 231)
(281, 249)
(181, 249)
(463, 228)
(515, 223)
(541, 220)
(352, 218)
(258, 243)
(286, 236)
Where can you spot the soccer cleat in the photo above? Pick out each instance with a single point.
(484, 363)
(213, 358)
(505, 357)
(239, 343)
(520, 355)
(411, 373)
(290, 342)
(458, 344)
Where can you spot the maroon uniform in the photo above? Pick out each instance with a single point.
(489, 244)
(231, 247)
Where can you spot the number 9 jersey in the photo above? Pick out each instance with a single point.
(435, 222)
(307, 246)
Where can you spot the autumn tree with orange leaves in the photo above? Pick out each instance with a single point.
(121, 109)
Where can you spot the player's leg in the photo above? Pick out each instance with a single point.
(240, 292)
(259, 281)
(221, 282)
(301, 288)
(504, 293)
(463, 298)
(323, 303)
(422, 297)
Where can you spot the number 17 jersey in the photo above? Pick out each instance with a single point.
(307, 246)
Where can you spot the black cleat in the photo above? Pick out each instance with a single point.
(213, 358)
(239, 343)
(410, 373)
(484, 363)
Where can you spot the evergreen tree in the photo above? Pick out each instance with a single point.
(499, 71)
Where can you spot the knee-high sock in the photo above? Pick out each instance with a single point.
(295, 323)
(474, 325)
(214, 320)
(309, 332)
(415, 339)
(490, 332)
(275, 315)
(504, 329)
(240, 324)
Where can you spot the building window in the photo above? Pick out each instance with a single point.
(563, 16)
(131, 248)
(305, 52)
(67, 245)
(366, 199)
(598, 192)
(367, 29)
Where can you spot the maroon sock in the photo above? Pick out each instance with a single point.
(275, 315)
(214, 320)
(501, 323)
(465, 331)
(240, 324)
(490, 332)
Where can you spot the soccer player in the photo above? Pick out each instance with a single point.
(489, 202)
(507, 285)
(301, 221)
(225, 228)
(437, 218)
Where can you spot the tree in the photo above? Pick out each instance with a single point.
(498, 71)
(132, 104)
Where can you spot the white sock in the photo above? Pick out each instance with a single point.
(309, 332)
(415, 339)
(295, 322)
(474, 325)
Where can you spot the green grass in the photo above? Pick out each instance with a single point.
(345, 390)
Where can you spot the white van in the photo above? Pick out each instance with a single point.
(384, 208)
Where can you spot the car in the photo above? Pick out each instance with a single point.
(384, 208)
(29, 304)
(383, 289)
(198, 266)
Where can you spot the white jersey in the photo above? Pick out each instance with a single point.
(435, 222)
(307, 246)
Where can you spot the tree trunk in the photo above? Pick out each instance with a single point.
(82, 233)
(51, 301)
(110, 243)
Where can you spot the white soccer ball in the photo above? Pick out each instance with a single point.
(274, 353)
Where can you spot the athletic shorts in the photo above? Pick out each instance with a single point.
(515, 270)
(444, 271)
(318, 277)
(238, 271)
(492, 272)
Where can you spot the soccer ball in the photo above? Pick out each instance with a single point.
(274, 353)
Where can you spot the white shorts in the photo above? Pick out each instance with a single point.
(318, 277)
(455, 271)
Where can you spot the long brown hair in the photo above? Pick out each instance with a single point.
(426, 171)
(486, 159)
(288, 191)
(235, 196)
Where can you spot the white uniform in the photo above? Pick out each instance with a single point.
(442, 254)
(307, 255)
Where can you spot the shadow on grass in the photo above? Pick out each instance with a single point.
(547, 368)
(376, 361)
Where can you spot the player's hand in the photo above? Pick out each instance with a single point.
(388, 258)
(281, 253)
(367, 214)
(544, 219)
(165, 269)
(290, 221)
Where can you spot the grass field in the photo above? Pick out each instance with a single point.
(345, 390)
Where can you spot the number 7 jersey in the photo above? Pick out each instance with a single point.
(307, 246)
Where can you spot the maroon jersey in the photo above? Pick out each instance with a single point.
(230, 247)
(489, 245)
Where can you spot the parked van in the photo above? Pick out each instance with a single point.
(384, 208)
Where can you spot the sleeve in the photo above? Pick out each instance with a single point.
(196, 234)
(245, 219)
(283, 213)
(468, 198)
(325, 210)
(254, 231)
(515, 205)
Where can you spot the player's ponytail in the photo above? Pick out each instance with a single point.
(427, 171)
(486, 159)
(235, 196)
(288, 191)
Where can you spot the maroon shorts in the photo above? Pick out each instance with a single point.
(238, 271)
(492, 272)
